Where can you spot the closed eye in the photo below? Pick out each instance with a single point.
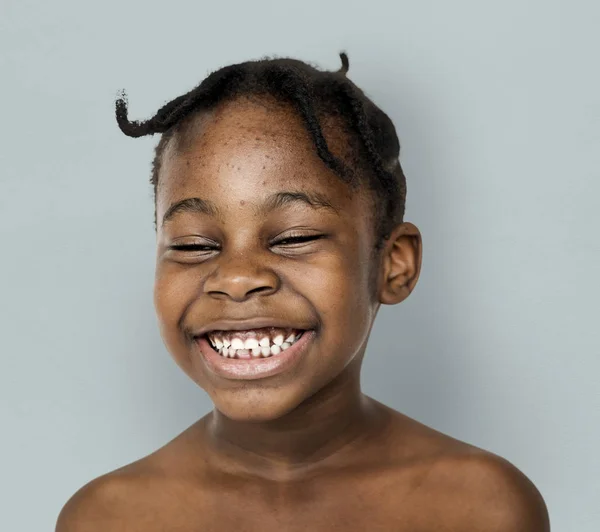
(296, 240)
(288, 241)
(193, 247)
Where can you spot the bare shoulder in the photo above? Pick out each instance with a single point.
(462, 487)
(141, 496)
(98, 505)
(138, 496)
(485, 492)
(451, 485)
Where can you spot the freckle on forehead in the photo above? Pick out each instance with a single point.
(242, 202)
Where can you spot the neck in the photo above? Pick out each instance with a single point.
(323, 431)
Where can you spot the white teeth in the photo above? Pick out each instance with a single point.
(265, 347)
(265, 351)
(237, 343)
(278, 340)
(250, 343)
(256, 352)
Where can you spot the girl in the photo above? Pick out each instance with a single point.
(279, 204)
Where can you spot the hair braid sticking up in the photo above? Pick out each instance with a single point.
(313, 93)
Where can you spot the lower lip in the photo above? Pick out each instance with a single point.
(254, 368)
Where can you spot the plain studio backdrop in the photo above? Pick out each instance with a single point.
(497, 107)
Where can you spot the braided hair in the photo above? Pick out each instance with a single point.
(312, 93)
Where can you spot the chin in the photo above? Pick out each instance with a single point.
(255, 407)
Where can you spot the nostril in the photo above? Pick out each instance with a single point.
(260, 289)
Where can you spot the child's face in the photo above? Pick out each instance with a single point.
(239, 156)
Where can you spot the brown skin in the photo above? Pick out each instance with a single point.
(304, 450)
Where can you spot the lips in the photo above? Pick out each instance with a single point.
(227, 326)
(249, 324)
(254, 367)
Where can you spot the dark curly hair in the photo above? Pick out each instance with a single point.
(312, 93)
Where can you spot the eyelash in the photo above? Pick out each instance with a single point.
(293, 239)
(298, 239)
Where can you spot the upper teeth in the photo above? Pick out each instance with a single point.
(255, 343)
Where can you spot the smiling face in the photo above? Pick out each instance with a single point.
(257, 227)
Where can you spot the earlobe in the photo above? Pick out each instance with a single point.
(400, 264)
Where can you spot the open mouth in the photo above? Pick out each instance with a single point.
(254, 354)
(254, 343)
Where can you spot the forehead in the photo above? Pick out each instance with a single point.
(247, 146)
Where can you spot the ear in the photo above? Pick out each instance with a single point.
(400, 264)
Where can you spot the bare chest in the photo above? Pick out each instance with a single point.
(348, 516)
(256, 508)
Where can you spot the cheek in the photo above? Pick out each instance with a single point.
(339, 289)
(173, 293)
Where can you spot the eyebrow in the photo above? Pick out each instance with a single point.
(275, 201)
(195, 205)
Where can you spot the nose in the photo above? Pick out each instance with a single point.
(240, 277)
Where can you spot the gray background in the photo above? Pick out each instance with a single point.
(497, 106)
